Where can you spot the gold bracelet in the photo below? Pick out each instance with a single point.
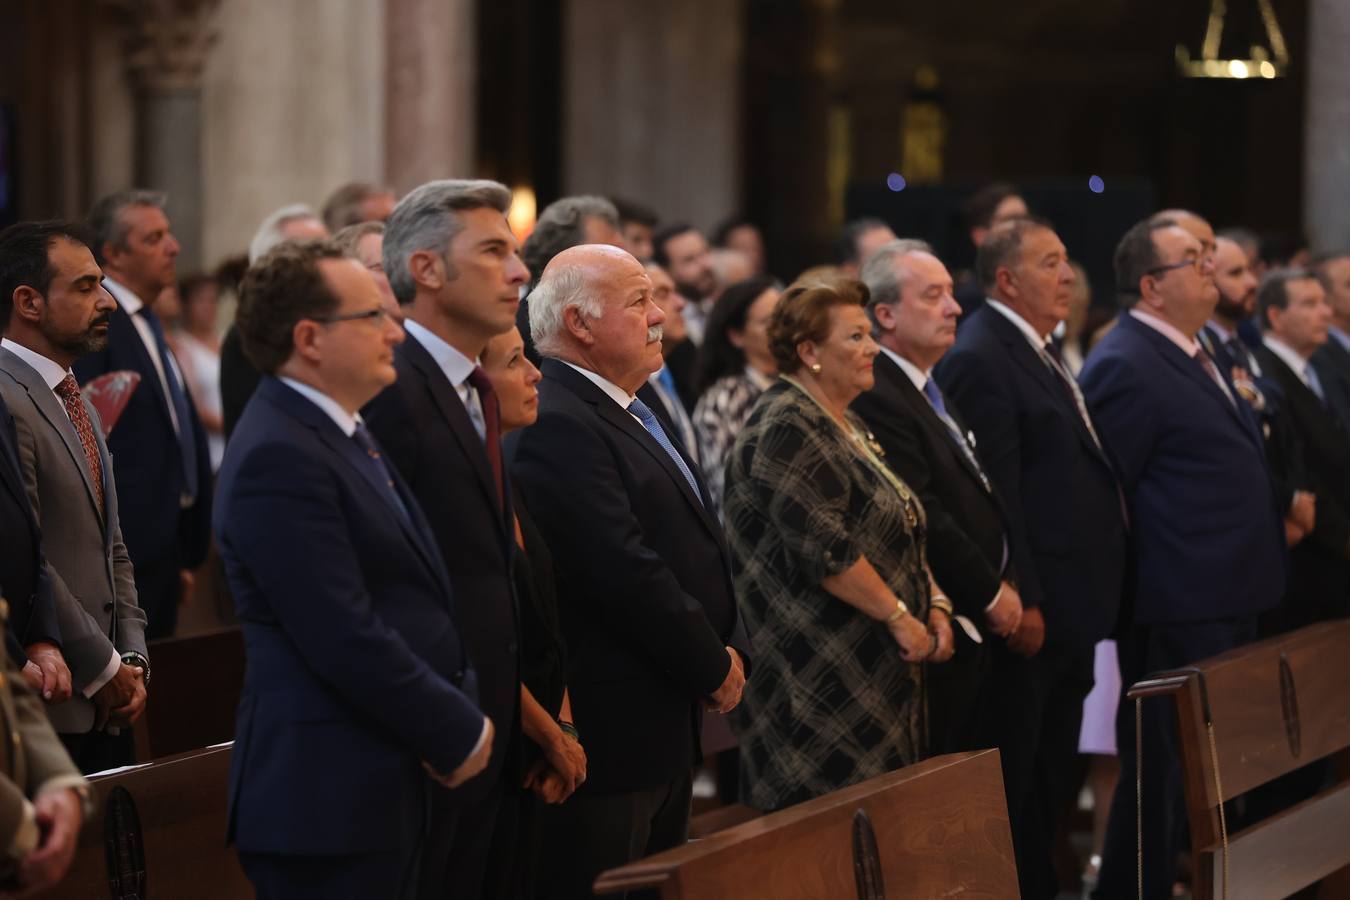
(901, 610)
(940, 601)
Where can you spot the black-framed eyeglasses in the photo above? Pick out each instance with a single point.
(377, 315)
(1198, 263)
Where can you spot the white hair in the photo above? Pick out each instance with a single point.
(560, 287)
(272, 231)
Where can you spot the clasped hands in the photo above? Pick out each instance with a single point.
(924, 642)
(59, 817)
(560, 772)
(46, 672)
(121, 701)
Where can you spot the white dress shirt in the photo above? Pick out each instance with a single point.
(611, 390)
(1290, 357)
(131, 304)
(52, 374)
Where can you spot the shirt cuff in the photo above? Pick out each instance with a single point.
(482, 739)
(27, 835)
(74, 782)
(997, 595)
(106, 676)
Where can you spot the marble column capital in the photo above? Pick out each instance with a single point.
(167, 42)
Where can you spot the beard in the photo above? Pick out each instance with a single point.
(91, 340)
(1232, 308)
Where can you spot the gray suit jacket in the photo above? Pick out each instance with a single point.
(90, 571)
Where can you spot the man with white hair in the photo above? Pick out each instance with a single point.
(644, 589)
(238, 378)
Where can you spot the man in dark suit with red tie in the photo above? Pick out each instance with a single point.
(928, 445)
(452, 261)
(644, 585)
(1207, 539)
(359, 692)
(1066, 529)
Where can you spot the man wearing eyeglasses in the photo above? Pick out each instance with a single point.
(1206, 535)
(358, 692)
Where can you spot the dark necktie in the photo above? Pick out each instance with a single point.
(1212, 372)
(378, 465)
(1055, 361)
(492, 429)
(69, 392)
(653, 426)
(187, 440)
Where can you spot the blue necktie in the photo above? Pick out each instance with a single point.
(649, 422)
(1315, 383)
(934, 395)
(187, 439)
(380, 467)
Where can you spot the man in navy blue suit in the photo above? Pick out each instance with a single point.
(1065, 526)
(1207, 536)
(358, 691)
(160, 457)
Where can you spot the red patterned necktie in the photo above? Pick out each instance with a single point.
(69, 392)
(492, 433)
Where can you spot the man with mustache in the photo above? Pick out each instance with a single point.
(644, 587)
(60, 313)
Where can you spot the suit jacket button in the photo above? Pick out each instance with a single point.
(108, 607)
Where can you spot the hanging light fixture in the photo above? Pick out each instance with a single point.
(1264, 62)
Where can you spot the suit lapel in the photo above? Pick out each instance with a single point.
(131, 337)
(895, 385)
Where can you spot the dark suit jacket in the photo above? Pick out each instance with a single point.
(1332, 362)
(428, 435)
(644, 585)
(147, 458)
(23, 578)
(1065, 530)
(1207, 537)
(356, 671)
(965, 521)
(238, 379)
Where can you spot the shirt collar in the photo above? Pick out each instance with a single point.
(341, 418)
(456, 366)
(612, 390)
(1174, 334)
(1288, 354)
(912, 372)
(125, 296)
(1339, 335)
(1037, 341)
(1225, 334)
(51, 373)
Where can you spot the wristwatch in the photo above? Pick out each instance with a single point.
(136, 660)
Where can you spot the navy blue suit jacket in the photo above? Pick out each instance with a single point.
(1207, 540)
(356, 672)
(1066, 534)
(147, 458)
(23, 577)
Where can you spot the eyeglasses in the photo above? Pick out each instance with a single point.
(1198, 263)
(377, 315)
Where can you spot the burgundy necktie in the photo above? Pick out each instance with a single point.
(492, 430)
(69, 392)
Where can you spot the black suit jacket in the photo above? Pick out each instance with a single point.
(147, 458)
(965, 521)
(1332, 362)
(644, 583)
(238, 379)
(427, 434)
(23, 577)
(1066, 533)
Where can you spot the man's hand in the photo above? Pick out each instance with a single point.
(568, 760)
(122, 700)
(1006, 614)
(1030, 635)
(940, 623)
(473, 765)
(32, 676)
(725, 698)
(54, 686)
(546, 783)
(1293, 534)
(1303, 511)
(59, 816)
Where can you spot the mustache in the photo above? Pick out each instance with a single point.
(655, 333)
(104, 319)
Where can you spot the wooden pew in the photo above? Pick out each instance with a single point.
(1275, 706)
(180, 804)
(940, 827)
(194, 692)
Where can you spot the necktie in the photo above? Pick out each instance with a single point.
(653, 426)
(69, 392)
(1314, 382)
(934, 395)
(187, 440)
(672, 394)
(380, 467)
(1052, 359)
(492, 432)
(1242, 355)
(1213, 372)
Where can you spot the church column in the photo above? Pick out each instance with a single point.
(167, 44)
(1327, 123)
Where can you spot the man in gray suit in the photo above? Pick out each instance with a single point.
(51, 293)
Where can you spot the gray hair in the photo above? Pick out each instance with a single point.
(562, 224)
(428, 219)
(559, 288)
(272, 230)
(349, 238)
(106, 225)
(878, 273)
(343, 206)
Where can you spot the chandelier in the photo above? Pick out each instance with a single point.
(1271, 61)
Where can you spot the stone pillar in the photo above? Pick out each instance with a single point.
(652, 103)
(1326, 180)
(430, 90)
(166, 49)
